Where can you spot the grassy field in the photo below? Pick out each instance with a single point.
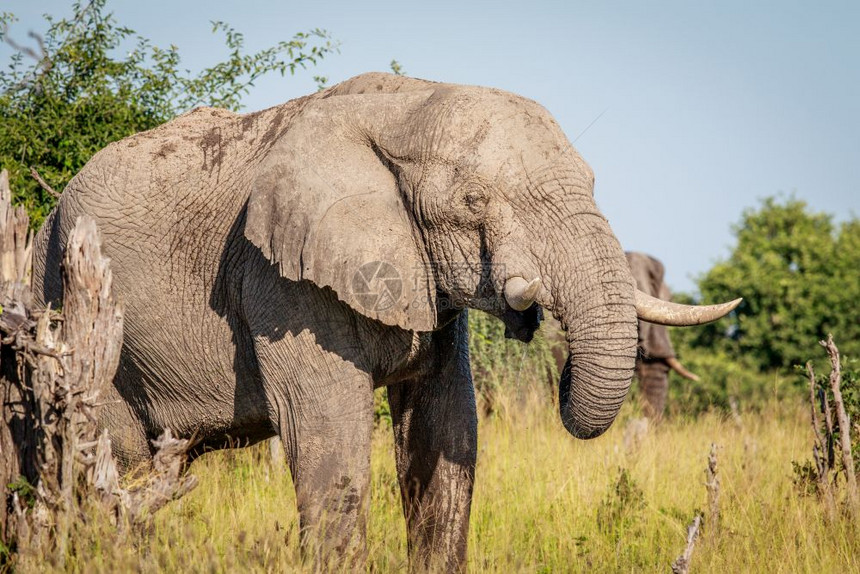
(544, 502)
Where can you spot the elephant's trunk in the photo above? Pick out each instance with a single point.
(597, 373)
(595, 305)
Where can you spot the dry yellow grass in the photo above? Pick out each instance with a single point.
(538, 496)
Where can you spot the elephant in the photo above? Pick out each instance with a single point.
(275, 267)
(656, 355)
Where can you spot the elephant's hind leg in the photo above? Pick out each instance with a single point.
(435, 438)
(131, 445)
(131, 449)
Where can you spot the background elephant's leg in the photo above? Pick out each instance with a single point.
(435, 435)
(654, 383)
(322, 407)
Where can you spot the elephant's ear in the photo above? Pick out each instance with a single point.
(325, 207)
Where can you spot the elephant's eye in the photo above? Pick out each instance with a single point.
(475, 199)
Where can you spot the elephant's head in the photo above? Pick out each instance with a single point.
(411, 198)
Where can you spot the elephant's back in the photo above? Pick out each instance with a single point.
(169, 206)
(165, 202)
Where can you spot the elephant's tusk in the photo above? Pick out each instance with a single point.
(662, 312)
(520, 294)
(676, 365)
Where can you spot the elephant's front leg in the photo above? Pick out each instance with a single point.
(323, 409)
(436, 435)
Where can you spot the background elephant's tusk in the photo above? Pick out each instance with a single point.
(520, 294)
(662, 312)
(676, 365)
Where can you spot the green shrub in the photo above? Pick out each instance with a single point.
(506, 364)
(723, 378)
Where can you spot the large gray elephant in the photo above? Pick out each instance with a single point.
(277, 266)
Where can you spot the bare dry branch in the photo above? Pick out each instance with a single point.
(842, 418)
(712, 484)
(42, 183)
(682, 564)
(166, 482)
(44, 62)
(736, 413)
(26, 50)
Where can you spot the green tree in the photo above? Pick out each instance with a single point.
(799, 275)
(79, 92)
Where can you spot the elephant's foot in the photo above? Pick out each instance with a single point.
(333, 520)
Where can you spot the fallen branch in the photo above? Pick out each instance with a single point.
(164, 483)
(682, 564)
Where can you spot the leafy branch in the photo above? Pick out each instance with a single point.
(79, 88)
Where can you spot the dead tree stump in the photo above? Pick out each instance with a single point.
(16, 439)
(822, 446)
(54, 369)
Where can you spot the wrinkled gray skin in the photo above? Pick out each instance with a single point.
(655, 346)
(235, 242)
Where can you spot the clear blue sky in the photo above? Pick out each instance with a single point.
(708, 106)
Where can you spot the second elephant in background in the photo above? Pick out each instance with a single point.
(656, 354)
